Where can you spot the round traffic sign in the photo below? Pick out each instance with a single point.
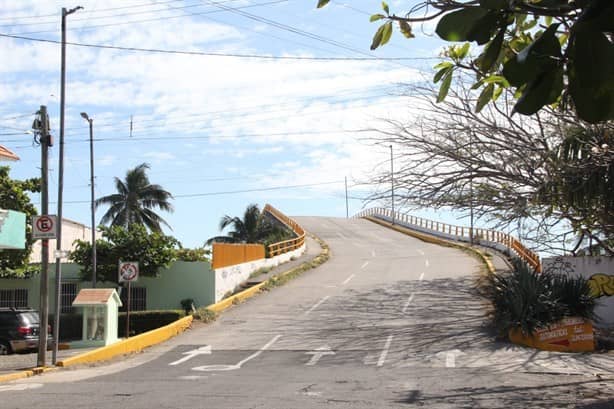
(44, 224)
(128, 271)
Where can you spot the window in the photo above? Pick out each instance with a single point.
(69, 293)
(15, 298)
(138, 298)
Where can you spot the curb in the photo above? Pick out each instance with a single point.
(252, 291)
(130, 345)
(147, 339)
(435, 240)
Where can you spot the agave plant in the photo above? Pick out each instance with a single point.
(526, 300)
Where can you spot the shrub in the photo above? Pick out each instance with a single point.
(205, 315)
(143, 321)
(528, 300)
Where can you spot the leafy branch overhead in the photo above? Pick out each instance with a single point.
(552, 52)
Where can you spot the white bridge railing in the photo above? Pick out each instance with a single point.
(489, 238)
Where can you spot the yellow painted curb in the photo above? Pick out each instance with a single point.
(16, 375)
(435, 240)
(130, 345)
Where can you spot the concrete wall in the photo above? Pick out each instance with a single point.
(600, 273)
(181, 280)
(227, 279)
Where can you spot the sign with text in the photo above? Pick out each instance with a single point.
(44, 227)
(128, 271)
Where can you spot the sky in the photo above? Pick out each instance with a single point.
(262, 101)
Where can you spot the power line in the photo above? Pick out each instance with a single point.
(231, 192)
(214, 54)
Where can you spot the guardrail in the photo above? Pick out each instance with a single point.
(285, 246)
(462, 233)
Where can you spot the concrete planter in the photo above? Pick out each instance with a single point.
(571, 334)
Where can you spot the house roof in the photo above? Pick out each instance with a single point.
(96, 296)
(7, 154)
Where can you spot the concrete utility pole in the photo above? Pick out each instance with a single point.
(42, 126)
(392, 182)
(85, 116)
(58, 255)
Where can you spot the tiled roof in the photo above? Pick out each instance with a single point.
(94, 296)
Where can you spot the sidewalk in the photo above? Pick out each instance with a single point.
(24, 362)
(312, 251)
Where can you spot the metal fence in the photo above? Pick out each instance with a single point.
(462, 233)
(285, 246)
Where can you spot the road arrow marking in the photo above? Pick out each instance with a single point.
(318, 354)
(208, 368)
(206, 350)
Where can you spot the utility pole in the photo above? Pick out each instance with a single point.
(392, 182)
(471, 191)
(347, 208)
(85, 116)
(58, 255)
(42, 126)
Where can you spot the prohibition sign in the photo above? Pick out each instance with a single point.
(128, 271)
(44, 224)
(43, 227)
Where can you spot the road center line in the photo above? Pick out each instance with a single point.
(316, 305)
(427, 263)
(411, 297)
(382, 357)
(366, 263)
(347, 280)
(372, 253)
(420, 251)
(421, 277)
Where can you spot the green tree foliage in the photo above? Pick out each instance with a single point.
(134, 201)
(254, 227)
(197, 254)
(152, 250)
(13, 196)
(549, 51)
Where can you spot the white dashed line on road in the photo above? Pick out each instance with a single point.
(427, 263)
(421, 277)
(411, 298)
(420, 251)
(366, 263)
(316, 305)
(372, 253)
(382, 357)
(347, 280)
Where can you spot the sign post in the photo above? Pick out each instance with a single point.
(128, 272)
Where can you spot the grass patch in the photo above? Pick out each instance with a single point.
(205, 315)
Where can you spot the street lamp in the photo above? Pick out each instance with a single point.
(93, 205)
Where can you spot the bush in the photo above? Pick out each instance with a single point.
(143, 321)
(528, 300)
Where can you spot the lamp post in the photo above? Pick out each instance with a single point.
(92, 202)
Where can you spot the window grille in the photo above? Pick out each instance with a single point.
(14, 298)
(69, 293)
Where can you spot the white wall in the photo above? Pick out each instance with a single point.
(599, 271)
(227, 279)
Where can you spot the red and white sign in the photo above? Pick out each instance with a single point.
(128, 271)
(44, 227)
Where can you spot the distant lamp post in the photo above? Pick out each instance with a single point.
(93, 209)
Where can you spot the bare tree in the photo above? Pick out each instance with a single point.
(550, 169)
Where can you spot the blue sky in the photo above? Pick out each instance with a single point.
(284, 131)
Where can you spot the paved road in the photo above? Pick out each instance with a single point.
(388, 322)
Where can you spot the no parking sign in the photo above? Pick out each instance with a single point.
(128, 271)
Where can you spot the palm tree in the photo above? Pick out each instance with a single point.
(252, 228)
(134, 201)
